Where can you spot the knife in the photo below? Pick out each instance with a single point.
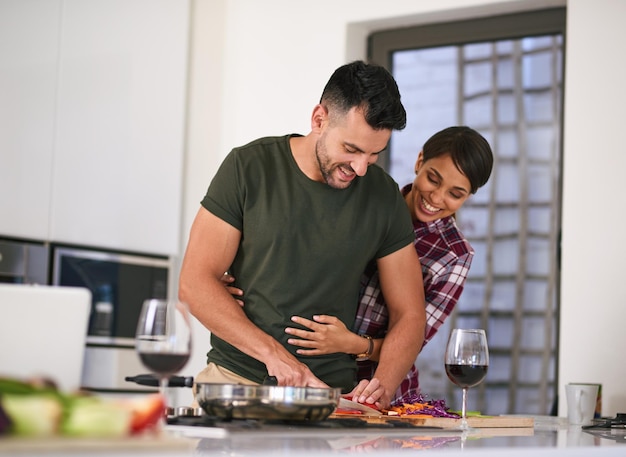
(345, 403)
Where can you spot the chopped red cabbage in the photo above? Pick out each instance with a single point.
(435, 408)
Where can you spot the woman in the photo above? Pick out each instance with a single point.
(453, 164)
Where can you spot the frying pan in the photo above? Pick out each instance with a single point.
(237, 401)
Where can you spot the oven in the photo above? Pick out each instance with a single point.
(119, 283)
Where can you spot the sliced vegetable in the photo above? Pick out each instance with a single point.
(33, 415)
(146, 411)
(17, 386)
(470, 413)
(39, 409)
(347, 411)
(95, 417)
(418, 404)
(369, 405)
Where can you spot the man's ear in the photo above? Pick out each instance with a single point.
(318, 118)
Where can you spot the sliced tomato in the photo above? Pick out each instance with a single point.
(147, 411)
(347, 411)
(371, 405)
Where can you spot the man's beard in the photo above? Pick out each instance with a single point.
(326, 169)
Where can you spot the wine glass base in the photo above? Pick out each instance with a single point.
(463, 426)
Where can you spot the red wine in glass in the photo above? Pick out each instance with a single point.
(466, 362)
(164, 364)
(466, 375)
(163, 338)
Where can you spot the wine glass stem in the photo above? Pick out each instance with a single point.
(464, 409)
(163, 384)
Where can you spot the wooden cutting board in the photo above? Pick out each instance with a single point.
(444, 422)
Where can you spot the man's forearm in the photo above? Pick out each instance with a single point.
(218, 311)
(399, 350)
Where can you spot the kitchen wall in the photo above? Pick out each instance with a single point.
(258, 68)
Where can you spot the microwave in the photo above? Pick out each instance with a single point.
(119, 284)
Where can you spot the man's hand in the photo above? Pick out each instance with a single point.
(372, 392)
(287, 370)
(291, 372)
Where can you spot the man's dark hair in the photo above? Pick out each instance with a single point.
(367, 86)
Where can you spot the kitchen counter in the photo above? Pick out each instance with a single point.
(550, 437)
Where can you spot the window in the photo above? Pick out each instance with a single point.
(503, 77)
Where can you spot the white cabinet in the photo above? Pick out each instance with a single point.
(29, 34)
(118, 164)
(112, 123)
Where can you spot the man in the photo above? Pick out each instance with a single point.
(296, 219)
(452, 165)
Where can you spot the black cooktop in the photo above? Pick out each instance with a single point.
(256, 424)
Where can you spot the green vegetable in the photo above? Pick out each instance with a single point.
(15, 386)
(91, 416)
(36, 414)
(470, 413)
(38, 408)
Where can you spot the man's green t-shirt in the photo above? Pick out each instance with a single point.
(304, 246)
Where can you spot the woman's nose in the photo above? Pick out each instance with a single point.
(436, 196)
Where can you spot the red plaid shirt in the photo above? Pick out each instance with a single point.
(446, 257)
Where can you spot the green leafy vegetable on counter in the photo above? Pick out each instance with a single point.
(38, 409)
(32, 408)
(470, 413)
(89, 416)
(37, 414)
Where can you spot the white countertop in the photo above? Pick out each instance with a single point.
(550, 437)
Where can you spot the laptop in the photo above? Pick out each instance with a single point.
(43, 331)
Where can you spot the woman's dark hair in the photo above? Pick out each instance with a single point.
(469, 150)
(367, 86)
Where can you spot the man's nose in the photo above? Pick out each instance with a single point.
(360, 164)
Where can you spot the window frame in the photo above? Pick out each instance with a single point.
(382, 44)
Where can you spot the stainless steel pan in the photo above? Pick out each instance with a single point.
(236, 401)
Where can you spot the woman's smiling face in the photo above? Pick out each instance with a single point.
(439, 188)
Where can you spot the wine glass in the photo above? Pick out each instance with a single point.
(466, 361)
(163, 338)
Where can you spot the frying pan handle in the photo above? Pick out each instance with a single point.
(151, 380)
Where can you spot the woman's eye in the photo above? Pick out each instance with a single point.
(458, 195)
